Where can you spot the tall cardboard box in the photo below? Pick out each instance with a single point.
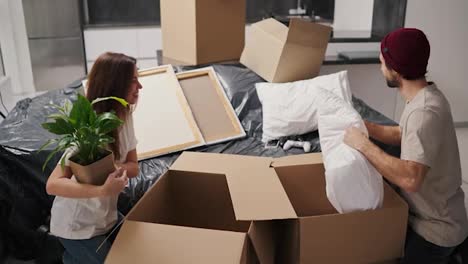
(217, 208)
(202, 31)
(281, 54)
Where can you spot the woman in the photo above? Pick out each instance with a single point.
(83, 215)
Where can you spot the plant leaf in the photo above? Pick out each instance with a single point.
(118, 99)
(106, 122)
(49, 157)
(48, 143)
(57, 116)
(92, 118)
(67, 106)
(59, 127)
(104, 140)
(80, 111)
(65, 142)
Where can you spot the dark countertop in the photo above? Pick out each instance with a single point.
(353, 57)
(338, 60)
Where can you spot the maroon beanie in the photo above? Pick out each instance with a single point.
(406, 50)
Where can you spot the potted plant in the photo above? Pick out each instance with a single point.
(80, 128)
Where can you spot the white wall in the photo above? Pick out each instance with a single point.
(4, 85)
(367, 83)
(445, 24)
(15, 49)
(138, 42)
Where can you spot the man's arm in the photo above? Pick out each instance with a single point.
(390, 135)
(408, 175)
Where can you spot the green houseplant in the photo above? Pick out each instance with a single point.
(87, 132)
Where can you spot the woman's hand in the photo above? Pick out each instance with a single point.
(115, 183)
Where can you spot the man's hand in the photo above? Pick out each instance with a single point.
(408, 175)
(355, 138)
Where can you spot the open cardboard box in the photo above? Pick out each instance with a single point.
(320, 234)
(281, 54)
(217, 208)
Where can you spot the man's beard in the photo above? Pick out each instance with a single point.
(393, 83)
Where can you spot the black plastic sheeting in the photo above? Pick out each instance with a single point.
(24, 204)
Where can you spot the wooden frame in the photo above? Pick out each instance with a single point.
(237, 130)
(141, 120)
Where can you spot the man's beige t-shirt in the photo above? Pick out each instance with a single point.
(437, 210)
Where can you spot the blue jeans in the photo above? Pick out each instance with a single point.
(418, 250)
(79, 251)
(84, 250)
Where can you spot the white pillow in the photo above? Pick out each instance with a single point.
(291, 108)
(352, 182)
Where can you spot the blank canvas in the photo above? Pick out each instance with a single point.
(162, 118)
(210, 106)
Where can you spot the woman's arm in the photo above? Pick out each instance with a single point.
(61, 184)
(130, 164)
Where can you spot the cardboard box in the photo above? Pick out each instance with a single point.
(321, 235)
(203, 31)
(279, 54)
(188, 216)
(216, 208)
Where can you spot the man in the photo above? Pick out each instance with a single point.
(428, 172)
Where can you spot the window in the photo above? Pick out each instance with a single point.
(388, 15)
(121, 12)
(147, 12)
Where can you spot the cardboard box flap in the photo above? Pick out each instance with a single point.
(140, 242)
(257, 194)
(255, 189)
(308, 34)
(273, 28)
(213, 162)
(304, 159)
(264, 46)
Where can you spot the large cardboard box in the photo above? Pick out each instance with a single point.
(321, 235)
(279, 54)
(202, 31)
(217, 208)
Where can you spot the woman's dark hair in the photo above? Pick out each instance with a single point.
(111, 75)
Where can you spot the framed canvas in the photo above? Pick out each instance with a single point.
(163, 120)
(210, 106)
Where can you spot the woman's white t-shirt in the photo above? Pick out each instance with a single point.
(73, 218)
